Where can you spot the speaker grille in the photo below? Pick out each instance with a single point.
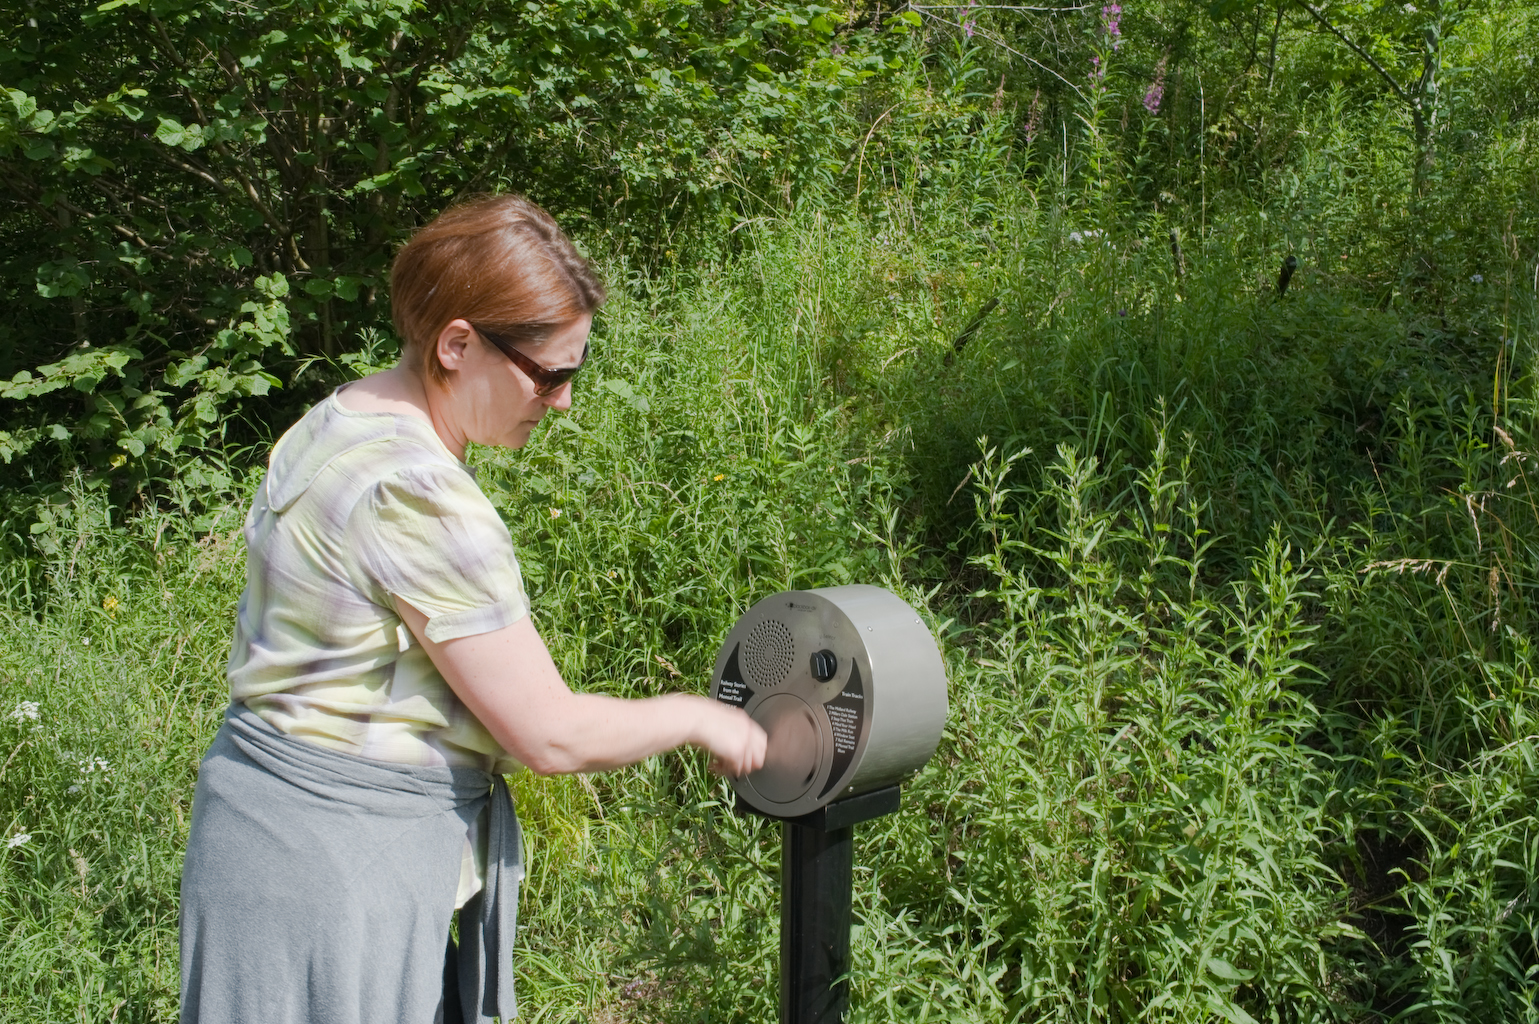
(768, 651)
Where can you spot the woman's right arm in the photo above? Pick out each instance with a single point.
(508, 680)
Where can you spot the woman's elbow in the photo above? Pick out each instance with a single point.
(549, 766)
(551, 758)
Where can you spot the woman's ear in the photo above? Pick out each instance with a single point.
(454, 343)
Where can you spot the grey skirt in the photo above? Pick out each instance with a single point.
(319, 887)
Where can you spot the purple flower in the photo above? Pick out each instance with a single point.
(1156, 91)
(1111, 20)
(1097, 72)
(967, 27)
(1033, 118)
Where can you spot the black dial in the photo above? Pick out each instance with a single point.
(824, 665)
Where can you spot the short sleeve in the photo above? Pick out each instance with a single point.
(428, 536)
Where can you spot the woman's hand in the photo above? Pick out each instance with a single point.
(509, 682)
(735, 741)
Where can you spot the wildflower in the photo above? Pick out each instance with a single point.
(1097, 72)
(17, 840)
(967, 27)
(1033, 118)
(555, 513)
(110, 605)
(1156, 92)
(1111, 20)
(1477, 278)
(73, 789)
(25, 711)
(86, 763)
(719, 477)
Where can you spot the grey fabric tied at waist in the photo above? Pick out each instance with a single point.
(319, 886)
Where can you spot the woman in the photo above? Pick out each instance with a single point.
(385, 670)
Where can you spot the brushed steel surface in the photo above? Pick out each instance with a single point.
(888, 694)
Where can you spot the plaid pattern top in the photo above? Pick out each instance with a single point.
(359, 509)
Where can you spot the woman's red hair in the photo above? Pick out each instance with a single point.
(497, 261)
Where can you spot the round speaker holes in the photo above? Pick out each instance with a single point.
(768, 651)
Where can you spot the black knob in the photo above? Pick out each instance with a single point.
(824, 665)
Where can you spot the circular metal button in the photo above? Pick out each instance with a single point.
(795, 745)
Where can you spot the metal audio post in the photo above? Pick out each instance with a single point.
(852, 691)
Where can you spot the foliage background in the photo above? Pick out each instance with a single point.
(981, 303)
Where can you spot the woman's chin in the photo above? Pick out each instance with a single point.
(519, 435)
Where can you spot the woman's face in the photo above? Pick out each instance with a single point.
(489, 400)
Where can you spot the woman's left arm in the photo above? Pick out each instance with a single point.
(509, 682)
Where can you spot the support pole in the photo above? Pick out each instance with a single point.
(815, 887)
(816, 862)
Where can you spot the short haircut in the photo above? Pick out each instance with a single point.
(496, 261)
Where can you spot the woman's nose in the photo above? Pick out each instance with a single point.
(561, 398)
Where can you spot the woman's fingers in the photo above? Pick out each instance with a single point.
(737, 743)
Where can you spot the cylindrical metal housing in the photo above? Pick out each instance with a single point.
(849, 685)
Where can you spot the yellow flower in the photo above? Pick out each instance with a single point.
(719, 477)
(110, 606)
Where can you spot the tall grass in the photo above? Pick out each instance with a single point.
(1233, 591)
(111, 691)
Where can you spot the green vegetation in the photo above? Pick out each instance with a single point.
(1236, 588)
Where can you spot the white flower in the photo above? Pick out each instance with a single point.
(87, 641)
(73, 789)
(87, 763)
(1477, 278)
(26, 711)
(18, 839)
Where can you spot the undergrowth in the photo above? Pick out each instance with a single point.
(1234, 591)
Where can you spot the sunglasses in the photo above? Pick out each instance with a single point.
(546, 381)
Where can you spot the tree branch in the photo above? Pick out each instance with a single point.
(925, 11)
(1333, 30)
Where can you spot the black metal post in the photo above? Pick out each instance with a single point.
(1285, 274)
(815, 887)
